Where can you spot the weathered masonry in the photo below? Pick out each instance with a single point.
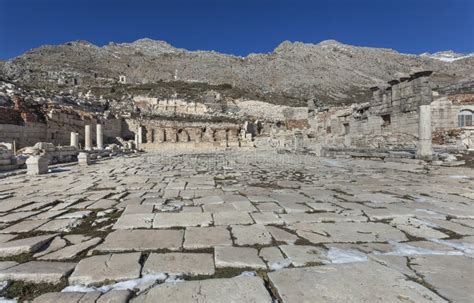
(391, 118)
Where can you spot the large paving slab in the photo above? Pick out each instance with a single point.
(450, 276)
(106, 268)
(348, 232)
(167, 220)
(142, 240)
(134, 221)
(238, 257)
(355, 282)
(21, 246)
(250, 235)
(189, 264)
(206, 237)
(239, 289)
(37, 272)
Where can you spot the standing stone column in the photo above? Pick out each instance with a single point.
(424, 148)
(100, 137)
(140, 134)
(74, 139)
(88, 138)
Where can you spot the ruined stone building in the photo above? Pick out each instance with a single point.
(390, 120)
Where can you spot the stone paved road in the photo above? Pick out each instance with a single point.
(247, 227)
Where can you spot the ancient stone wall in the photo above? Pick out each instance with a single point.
(56, 129)
(390, 119)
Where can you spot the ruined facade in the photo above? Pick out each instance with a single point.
(391, 118)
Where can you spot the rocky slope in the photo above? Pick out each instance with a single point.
(293, 73)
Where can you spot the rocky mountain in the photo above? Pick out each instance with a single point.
(294, 72)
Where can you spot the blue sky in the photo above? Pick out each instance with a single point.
(240, 26)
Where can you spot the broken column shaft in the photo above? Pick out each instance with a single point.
(424, 147)
(88, 138)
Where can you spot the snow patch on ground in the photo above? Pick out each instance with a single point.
(280, 264)
(458, 177)
(402, 249)
(339, 256)
(464, 247)
(129, 284)
(248, 274)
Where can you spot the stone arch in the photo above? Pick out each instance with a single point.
(182, 135)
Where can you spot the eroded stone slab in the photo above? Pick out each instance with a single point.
(238, 289)
(231, 218)
(354, 282)
(205, 237)
(26, 245)
(348, 232)
(238, 257)
(37, 272)
(251, 235)
(190, 264)
(167, 220)
(134, 221)
(142, 240)
(99, 269)
(451, 276)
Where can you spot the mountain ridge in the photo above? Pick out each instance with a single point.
(330, 71)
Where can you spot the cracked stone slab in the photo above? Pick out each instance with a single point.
(281, 235)
(354, 282)
(133, 221)
(26, 245)
(451, 276)
(205, 237)
(301, 255)
(190, 264)
(141, 240)
(68, 297)
(103, 268)
(37, 272)
(238, 257)
(238, 289)
(24, 226)
(167, 220)
(54, 245)
(72, 251)
(59, 225)
(348, 232)
(251, 235)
